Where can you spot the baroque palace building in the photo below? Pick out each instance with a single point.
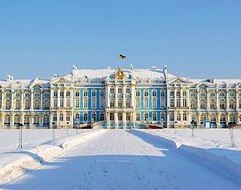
(119, 98)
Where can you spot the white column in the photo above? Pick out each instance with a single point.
(22, 97)
(124, 95)
(31, 92)
(133, 96)
(2, 99)
(181, 97)
(116, 95)
(64, 98)
(198, 99)
(227, 103)
(41, 99)
(58, 97)
(124, 118)
(51, 98)
(217, 100)
(12, 99)
(237, 103)
(107, 95)
(116, 118)
(175, 97)
(208, 103)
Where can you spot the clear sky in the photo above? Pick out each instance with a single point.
(195, 38)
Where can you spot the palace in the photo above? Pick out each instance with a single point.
(119, 98)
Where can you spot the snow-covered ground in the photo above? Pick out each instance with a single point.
(15, 163)
(9, 139)
(132, 159)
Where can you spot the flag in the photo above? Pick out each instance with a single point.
(122, 57)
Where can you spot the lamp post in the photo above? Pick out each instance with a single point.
(20, 134)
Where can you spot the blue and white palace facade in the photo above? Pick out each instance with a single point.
(119, 98)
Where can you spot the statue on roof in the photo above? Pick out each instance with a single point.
(119, 74)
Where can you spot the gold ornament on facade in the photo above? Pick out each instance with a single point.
(119, 74)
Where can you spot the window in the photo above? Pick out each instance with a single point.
(213, 119)
(93, 104)
(212, 104)
(55, 94)
(54, 116)
(120, 116)
(172, 103)
(163, 93)
(112, 90)
(93, 117)
(222, 119)
(154, 116)
(138, 117)
(7, 120)
(172, 94)
(112, 103)
(146, 116)
(36, 120)
(111, 116)
(203, 104)
(239, 103)
(102, 116)
(27, 95)
(222, 104)
(184, 102)
(178, 103)
(77, 103)
(46, 104)
(163, 116)
(85, 93)
(55, 103)
(138, 93)
(18, 104)
(61, 103)
(171, 116)
(120, 90)
(178, 116)
(128, 90)
(232, 104)
(26, 120)
(85, 103)
(61, 93)
(146, 93)
(154, 93)
(77, 94)
(184, 116)
(128, 103)
(102, 103)
(68, 94)
(67, 117)
(36, 104)
(193, 104)
(138, 103)
(178, 94)
(163, 103)
(93, 93)
(8, 104)
(154, 103)
(68, 103)
(61, 117)
(203, 118)
(184, 93)
(128, 116)
(46, 120)
(232, 118)
(146, 103)
(16, 119)
(85, 116)
(102, 93)
(120, 103)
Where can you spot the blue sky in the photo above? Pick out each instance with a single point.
(198, 39)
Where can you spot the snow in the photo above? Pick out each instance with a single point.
(128, 159)
(13, 164)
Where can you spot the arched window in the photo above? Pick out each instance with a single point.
(7, 120)
(163, 116)
(27, 104)
(111, 116)
(222, 104)
(93, 116)
(54, 116)
(171, 116)
(67, 117)
(36, 104)
(36, 119)
(212, 104)
(203, 118)
(102, 116)
(18, 104)
(146, 116)
(46, 120)
(193, 104)
(213, 118)
(8, 104)
(46, 104)
(232, 118)
(26, 119)
(16, 119)
(138, 117)
(222, 119)
(232, 104)
(154, 116)
(203, 104)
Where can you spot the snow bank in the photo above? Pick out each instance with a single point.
(205, 150)
(15, 164)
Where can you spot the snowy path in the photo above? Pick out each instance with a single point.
(121, 159)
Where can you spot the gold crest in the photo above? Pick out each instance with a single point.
(119, 74)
